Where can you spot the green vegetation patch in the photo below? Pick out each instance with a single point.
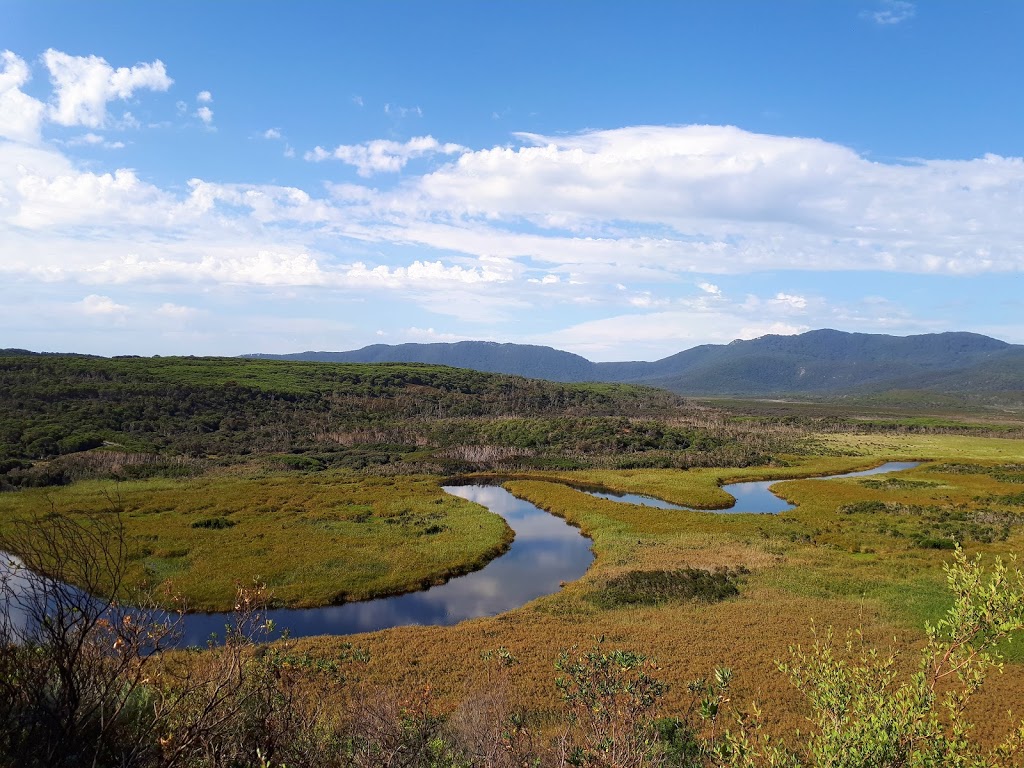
(317, 538)
(214, 523)
(897, 484)
(654, 587)
(1004, 473)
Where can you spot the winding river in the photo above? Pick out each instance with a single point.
(545, 553)
(753, 497)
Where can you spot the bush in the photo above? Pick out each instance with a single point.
(214, 523)
(653, 587)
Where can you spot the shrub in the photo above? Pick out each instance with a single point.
(653, 587)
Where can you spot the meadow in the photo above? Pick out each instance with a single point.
(313, 538)
(693, 590)
(859, 554)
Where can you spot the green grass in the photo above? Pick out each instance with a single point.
(315, 539)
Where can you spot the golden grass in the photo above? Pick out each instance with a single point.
(909, 447)
(815, 563)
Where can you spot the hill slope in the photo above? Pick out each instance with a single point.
(64, 416)
(817, 363)
(527, 360)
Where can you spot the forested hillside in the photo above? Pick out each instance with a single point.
(63, 417)
(969, 367)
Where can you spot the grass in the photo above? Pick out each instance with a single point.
(314, 539)
(813, 564)
(908, 447)
(849, 555)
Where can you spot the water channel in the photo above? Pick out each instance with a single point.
(545, 553)
(753, 497)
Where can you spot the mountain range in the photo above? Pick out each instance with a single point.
(817, 363)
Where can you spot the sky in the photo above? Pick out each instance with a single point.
(622, 180)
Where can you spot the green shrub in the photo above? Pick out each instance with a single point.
(653, 587)
(214, 523)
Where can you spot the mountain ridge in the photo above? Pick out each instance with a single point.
(819, 362)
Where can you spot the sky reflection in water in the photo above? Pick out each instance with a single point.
(751, 497)
(546, 551)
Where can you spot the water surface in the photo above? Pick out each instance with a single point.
(546, 551)
(753, 497)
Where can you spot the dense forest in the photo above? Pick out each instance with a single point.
(65, 417)
(70, 417)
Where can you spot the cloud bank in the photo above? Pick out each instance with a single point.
(645, 221)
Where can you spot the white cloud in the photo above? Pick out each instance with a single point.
(721, 200)
(93, 140)
(204, 97)
(357, 100)
(430, 335)
(272, 134)
(20, 114)
(394, 109)
(100, 200)
(548, 279)
(891, 12)
(93, 304)
(84, 85)
(383, 154)
(427, 273)
(658, 209)
(652, 335)
(790, 301)
(205, 114)
(176, 311)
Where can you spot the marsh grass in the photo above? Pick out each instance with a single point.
(315, 539)
(846, 569)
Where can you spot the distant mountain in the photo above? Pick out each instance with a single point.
(519, 359)
(817, 363)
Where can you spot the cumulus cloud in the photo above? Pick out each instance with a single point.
(719, 199)
(84, 85)
(204, 97)
(425, 272)
(94, 304)
(657, 209)
(548, 279)
(383, 154)
(205, 114)
(20, 114)
(790, 301)
(272, 134)
(104, 200)
(430, 335)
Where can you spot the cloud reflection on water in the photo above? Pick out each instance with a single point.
(546, 551)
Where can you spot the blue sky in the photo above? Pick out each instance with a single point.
(622, 180)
